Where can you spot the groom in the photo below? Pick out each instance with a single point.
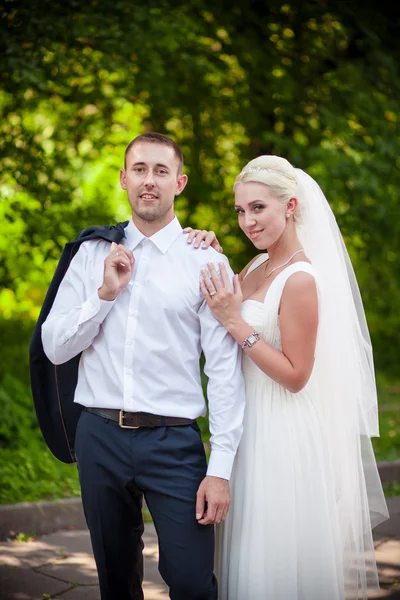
(137, 314)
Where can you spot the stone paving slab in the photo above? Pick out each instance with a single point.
(61, 565)
(79, 569)
(41, 517)
(26, 584)
(88, 592)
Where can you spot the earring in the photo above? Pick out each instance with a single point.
(287, 215)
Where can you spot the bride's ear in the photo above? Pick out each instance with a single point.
(291, 206)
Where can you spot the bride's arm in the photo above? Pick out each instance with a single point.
(292, 366)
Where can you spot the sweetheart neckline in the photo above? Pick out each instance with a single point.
(273, 281)
(251, 300)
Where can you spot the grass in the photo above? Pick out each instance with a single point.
(392, 489)
(30, 473)
(25, 537)
(387, 446)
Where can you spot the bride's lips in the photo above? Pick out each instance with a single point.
(254, 234)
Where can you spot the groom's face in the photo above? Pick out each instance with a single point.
(152, 180)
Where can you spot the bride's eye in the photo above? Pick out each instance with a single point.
(258, 207)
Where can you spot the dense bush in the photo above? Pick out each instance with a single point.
(28, 471)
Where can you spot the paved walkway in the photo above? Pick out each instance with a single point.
(61, 565)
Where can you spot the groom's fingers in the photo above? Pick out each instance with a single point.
(200, 503)
(225, 513)
(210, 515)
(219, 515)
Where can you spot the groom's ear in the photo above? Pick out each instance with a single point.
(122, 179)
(181, 184)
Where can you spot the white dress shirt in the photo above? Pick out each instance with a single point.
(141, 351)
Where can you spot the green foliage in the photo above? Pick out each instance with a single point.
(316, 82)
(28, 472)
(392, 489)
(387, 446)
(24, 537)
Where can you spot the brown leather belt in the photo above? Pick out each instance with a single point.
(135, 420)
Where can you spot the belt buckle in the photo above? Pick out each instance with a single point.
(121, 422)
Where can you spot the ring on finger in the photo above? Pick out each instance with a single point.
(213, 292)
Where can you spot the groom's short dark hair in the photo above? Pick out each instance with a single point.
(157, 138)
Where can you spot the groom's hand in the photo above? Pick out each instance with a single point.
(214, 494)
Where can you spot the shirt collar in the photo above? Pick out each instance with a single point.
(163, 238)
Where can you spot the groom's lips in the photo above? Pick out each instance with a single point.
(150, 198)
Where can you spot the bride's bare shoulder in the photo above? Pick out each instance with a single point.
(244, 271)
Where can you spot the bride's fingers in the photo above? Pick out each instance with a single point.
(208, 294)
(217, 247)
(209, 237)
(210, 287)
(237, 288)
(192, 235)
(200, 237)
(224, 276)
(215, 277)
(204, 290)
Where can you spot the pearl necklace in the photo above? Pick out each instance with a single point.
(283, 264)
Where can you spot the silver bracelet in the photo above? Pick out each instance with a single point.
(251, 339)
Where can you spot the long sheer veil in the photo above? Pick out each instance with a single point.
(344, 375)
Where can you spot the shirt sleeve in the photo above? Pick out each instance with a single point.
(225, 390)
(77, 312)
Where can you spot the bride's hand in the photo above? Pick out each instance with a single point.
(207, 237)
(224, 301)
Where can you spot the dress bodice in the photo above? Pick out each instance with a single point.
(264, 316)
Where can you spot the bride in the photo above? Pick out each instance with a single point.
(305, 487)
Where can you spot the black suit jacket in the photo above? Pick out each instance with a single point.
(53, 386)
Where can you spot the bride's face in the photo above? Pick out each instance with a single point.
(261, 215)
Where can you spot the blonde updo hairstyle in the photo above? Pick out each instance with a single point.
(275, 172)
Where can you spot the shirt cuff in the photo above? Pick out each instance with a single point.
(95, 309)
(220, 464)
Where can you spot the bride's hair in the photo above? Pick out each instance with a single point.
(275, 172)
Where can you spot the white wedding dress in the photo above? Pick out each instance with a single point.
(280, 540)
